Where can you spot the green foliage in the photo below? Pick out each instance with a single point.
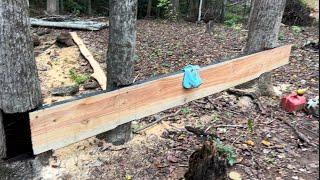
(185, 110)
(163, 4)
(215, 118)
(226, 151)
(281, 36)
(170, 53)
(135, 127)
(166, 8)
(296, 29)
(78, 78)
(136, 58)
(74, 6)
(250, 125)
(232, 19)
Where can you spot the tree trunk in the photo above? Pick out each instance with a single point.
(193, 9)
(3, 147)
(223, 10)
(200, 11)
(264, 25)
(122, 42)
(19, 82)
(61, 6)
(175, 8)
(89, 8)
(149, 8)
(53, 6)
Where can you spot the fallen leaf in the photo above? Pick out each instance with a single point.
(234, 175)
(172, 159)
(250, 142)
(128, 177)
(239, 159)
(289, 166)
(266, 143)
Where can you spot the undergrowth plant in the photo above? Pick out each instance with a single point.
(226, 151)
(78, 78)
(296, 29)
(167, 7)
(232, 20)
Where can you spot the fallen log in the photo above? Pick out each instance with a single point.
(83, 25)
(98, 72)
(60, 125)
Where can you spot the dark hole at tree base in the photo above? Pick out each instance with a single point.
(18, 136)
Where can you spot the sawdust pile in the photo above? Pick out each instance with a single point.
(54, 65)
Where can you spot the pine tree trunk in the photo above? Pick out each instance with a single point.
(122, 42)
(19, 82)
(264, 25)
(53, 6)
(149, 8)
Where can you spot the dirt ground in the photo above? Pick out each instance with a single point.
(162, 151)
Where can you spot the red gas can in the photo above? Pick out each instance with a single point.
(293, 102)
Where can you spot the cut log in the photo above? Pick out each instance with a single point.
(84, 25)
(98, 72)
(57, 126)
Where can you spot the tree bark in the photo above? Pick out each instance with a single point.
(149, 8)
(264, 25)
(206, 164)
(3, 147)
(122, 42)
(193, 9)
(175, 8)
(53, 6)
(223, 10)
(61, 6)
(89, 7)
(19, 82)
(200, 11)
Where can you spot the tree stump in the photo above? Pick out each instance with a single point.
(205, 164)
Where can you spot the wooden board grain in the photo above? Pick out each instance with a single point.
(64, 124)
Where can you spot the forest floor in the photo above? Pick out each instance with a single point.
(271, 151)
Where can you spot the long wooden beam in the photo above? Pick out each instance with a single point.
(64, 124)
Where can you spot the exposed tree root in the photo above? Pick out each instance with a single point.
(199, 131)
(301, 136)
(253, 95)
(156, 121)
